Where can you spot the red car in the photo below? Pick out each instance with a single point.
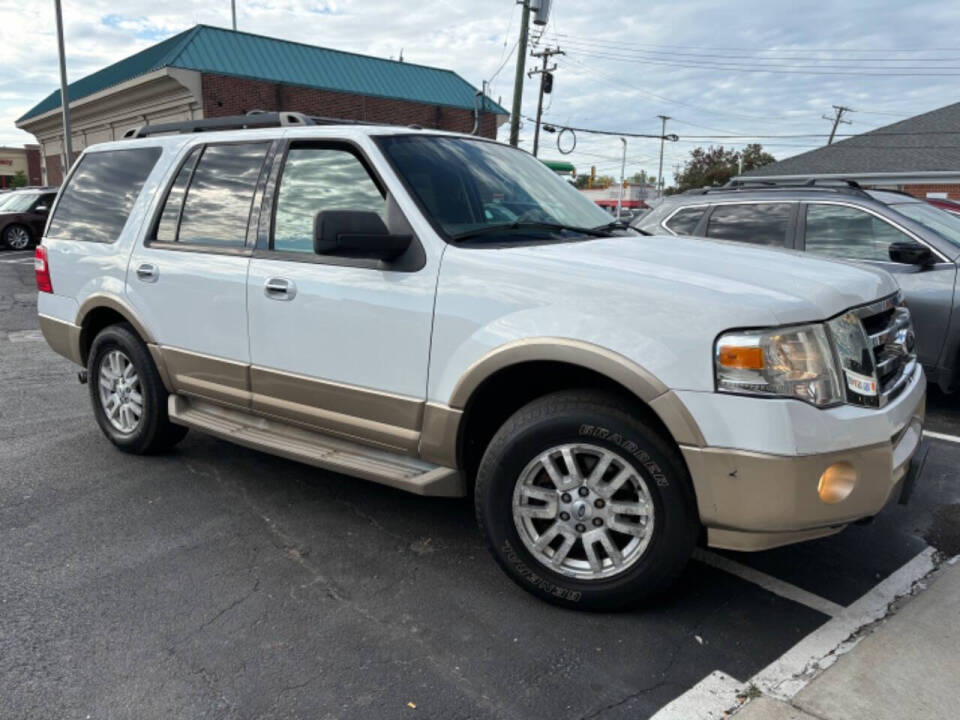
(951, 206)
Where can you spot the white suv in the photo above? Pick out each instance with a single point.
(442, 314)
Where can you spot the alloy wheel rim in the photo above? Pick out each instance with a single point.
(121, 396)
(583, 511)
(18, 238)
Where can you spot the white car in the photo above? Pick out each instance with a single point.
(350, 296)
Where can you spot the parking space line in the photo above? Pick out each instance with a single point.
(769, 583)
(17, 261)
(792, 671)
(941, 436)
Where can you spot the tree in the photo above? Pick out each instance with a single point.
(19, 179)
(716, 165)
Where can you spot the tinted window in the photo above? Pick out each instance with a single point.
(170, 217)
(943, 222)
(761, 224)
(846, 232)
(218, 202)
(20, 202)
(685, 221)
(316, 179)
(465, 185)
(100, 195)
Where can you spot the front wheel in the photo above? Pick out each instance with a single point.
(129, 400)
(584, 504)
(17, 237)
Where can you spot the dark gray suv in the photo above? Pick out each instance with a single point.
(916, 242)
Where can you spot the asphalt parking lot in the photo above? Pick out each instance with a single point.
(220, 582)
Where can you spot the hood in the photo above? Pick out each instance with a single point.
(791, 286)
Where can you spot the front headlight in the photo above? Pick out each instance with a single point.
(794, 362)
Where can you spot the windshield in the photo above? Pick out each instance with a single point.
(18, 202)
(940, 221)
(466, 186)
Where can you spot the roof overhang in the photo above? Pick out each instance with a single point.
(122, 93)
(872, 178)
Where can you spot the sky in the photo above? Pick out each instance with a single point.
(755, 70)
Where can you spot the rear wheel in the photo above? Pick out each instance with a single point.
(584, 504)
(17, 237)
(129, 400)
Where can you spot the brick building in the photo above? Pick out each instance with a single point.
(209, 72)
(24, 160)
(919, 155)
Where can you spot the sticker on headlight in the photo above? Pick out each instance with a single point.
(861, 383)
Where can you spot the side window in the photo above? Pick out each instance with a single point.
(685, 221)
(170, 217)
(95, 204)
(846, 232)
(316, 179)
(216, 206)
(760, 224)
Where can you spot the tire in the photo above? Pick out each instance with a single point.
(513, 483)
(113, 350)
(17, 237)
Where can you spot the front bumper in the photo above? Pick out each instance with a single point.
(751, 500)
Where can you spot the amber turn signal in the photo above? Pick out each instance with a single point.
(743, 358)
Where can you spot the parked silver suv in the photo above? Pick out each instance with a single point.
(917, 243)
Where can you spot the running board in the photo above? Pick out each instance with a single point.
(350, 458)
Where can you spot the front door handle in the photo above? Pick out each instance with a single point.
(280, 289)
(148, 272)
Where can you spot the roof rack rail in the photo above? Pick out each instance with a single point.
(252, 119)
(759, 185)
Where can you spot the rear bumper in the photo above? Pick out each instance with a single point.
(754, 501)
(62, 337)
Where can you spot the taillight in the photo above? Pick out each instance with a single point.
(42, 270)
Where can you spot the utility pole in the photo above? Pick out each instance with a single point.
(233, 13)
(518, 78)
(837, 119)
(663, 136)
(546, 85)
(64, 100)
(623, 170)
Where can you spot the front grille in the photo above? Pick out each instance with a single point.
(890, 334)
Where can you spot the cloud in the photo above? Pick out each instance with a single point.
(626, 63)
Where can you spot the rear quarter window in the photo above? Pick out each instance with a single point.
(95, 204)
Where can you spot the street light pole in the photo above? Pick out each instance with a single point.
(623, 169)
(663, 136)
(64, 100)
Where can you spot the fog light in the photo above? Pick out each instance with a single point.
(837, 482)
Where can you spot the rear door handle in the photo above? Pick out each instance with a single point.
(148, 272)
(280, 289)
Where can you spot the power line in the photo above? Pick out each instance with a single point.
(811, 48)
(778, 70)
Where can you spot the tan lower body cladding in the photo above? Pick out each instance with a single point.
(383, 420)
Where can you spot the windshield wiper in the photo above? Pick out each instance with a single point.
(505, 227)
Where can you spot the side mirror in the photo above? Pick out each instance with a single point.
(911, 253)
(356, 234)
(41, 209)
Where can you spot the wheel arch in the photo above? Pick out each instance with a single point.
(100, 311)
(509, 377)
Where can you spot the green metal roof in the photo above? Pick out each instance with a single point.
(225, 52)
